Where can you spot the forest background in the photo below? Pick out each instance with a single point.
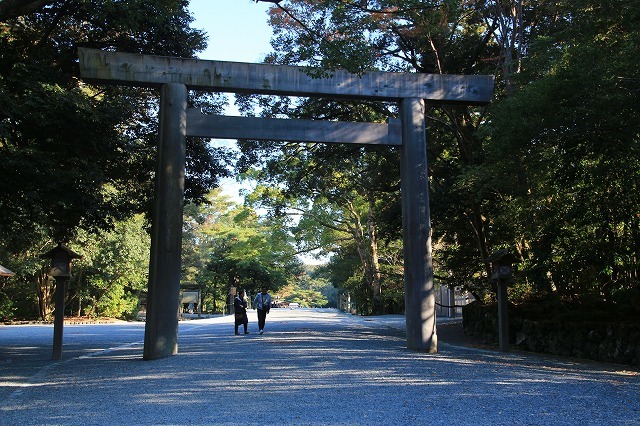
(549, 170)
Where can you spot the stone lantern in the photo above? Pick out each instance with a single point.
(502, 273)
(61, 258)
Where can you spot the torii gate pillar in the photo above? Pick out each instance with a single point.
(163, 297)
(416, 226)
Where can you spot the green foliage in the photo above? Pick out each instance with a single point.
(78, 160)
(311, 290)
(113, 273)
(573, 137)
(77, 156)
(321, 182)
(109, 280)
(549, 171)
(7, 309)
(227, 245)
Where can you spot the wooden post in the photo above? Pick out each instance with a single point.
(418, 269)
(161, 329)
(451, 292)
(503, 315)
(58, 318)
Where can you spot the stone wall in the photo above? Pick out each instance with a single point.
(614, 342)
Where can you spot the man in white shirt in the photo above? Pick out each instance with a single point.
(262, 303)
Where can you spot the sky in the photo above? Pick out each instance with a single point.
(238, 30)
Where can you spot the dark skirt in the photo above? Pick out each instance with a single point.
(241, 318)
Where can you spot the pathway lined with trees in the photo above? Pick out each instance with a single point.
(549, 171)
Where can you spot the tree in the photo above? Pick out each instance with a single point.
(574, 140)
(111, 278)
(418, 36)
(21, 293)
(10, 9)
(77, 156)
(567, 85)
(336, 195)
(227, 245)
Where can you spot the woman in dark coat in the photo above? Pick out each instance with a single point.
(240, 307)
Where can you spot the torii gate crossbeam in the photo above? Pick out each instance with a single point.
(175, 76)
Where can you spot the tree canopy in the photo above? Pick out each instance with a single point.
(548, 171)
(75, 155)
(78, 161)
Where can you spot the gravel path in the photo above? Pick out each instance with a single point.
(311, 367)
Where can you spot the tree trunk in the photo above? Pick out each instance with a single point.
(214, 292)
(376, 285)
(44, 290)
(358, 233)
(79, 292)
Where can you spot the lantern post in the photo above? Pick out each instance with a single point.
(502, 273)
(61, 258)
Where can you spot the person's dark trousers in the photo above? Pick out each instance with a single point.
(262, 316)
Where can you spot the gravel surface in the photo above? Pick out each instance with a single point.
(311, 367)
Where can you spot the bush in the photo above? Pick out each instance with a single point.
(6, 307)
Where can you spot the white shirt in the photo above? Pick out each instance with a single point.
(262, 301)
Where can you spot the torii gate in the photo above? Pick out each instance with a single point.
(175, 76)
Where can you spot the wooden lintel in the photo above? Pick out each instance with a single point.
(236, 77)
(229, 127)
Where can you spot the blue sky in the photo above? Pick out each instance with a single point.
(238, 30)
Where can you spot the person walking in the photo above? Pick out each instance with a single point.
(240, 308)
(262, 303)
